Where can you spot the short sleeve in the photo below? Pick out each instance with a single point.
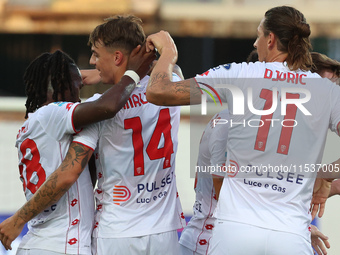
(57, 119)
(89, 136)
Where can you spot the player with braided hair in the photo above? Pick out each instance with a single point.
(54, 114)
(52, 70)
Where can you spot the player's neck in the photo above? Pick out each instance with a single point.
(277, 57)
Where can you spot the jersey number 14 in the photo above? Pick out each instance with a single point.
(163, 126)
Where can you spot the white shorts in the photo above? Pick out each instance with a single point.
(162, 243)
(37, 252)
(242, 239)
(186, 251)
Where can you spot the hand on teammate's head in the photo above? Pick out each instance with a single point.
(140, 60)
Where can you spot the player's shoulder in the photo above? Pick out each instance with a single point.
(54, 110)
(60, 104)
(94, 97)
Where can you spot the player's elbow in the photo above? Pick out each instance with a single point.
(153, 97)
(158, 98)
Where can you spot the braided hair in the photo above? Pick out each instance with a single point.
(48, 73)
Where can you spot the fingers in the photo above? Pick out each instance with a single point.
(320, 246)
(322, 210)
(149, 44)
(317, 249)
(136, 50)
(6, 243)
(328, 245)
(314, 210)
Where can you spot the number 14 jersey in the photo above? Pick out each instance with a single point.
(135, 161)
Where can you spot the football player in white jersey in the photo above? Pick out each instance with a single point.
(138, 209)
(211, 160)
(54, 115)
(264, 208)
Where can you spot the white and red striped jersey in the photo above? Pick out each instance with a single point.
(274, 153)
(211, 155)
(135, 161)
(42, 143)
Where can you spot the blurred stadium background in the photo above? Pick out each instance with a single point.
(207, 33)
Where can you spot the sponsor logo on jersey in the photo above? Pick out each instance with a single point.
(233, 168)
(147, 200)
(72, 241)
(203, 242)
(205, 73)
(121, 194)
(227, 66)
(22, 131)
(154, 186)
(74, 202)
(68, 106)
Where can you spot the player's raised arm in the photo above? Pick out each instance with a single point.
(57, 184)
(160, 90)
(114, 98)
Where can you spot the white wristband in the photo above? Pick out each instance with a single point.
(133, 75)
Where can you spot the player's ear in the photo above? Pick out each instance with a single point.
(118, 57)
(271, 41)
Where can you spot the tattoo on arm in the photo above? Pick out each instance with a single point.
(186, 89)
(54, 187)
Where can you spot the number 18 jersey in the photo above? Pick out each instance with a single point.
(42, 143)
(135, 161)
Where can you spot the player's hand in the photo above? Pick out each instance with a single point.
(9, 230)
(90, 76)
(140, 61)
(163, 42)
(319, 241)
(322, 187)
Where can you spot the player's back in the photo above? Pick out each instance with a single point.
(135, 160)
(275, 153)
(42, 142)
